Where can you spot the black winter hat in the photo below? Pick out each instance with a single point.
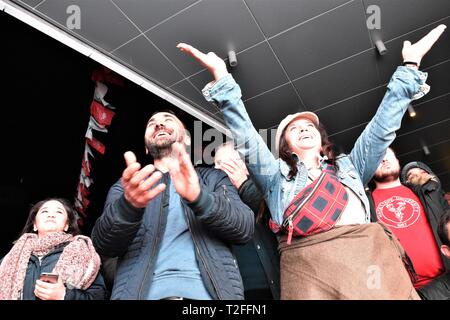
(412, 165)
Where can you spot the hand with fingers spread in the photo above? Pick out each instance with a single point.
(182, 172)
(415, 52)
(229, 160)
(138, 184)
(235, 170)
(50, 291)
(215, 65)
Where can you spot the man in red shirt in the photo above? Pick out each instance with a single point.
(399, 208)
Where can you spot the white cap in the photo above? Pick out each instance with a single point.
(286, 121)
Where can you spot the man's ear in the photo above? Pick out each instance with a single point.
(146, 151)
(445, 250)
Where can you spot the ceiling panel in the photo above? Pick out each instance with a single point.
(430, 135)
(438, 151)
(101, 22)
(344, 141)
(214, 25)
(402, 16)
(219, 117)
(146, 14)
(440, 166)
(351, 112)
(393, 58)
(257, 60)
(342, 80)
(439, 81)
(201, 79)
(187, 90)
(320, 42)
(31, 3)
(274, 18)
(142, 55)
(441, 50)
(427, 113)
(266, 110)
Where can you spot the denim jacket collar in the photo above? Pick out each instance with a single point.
(284, 167)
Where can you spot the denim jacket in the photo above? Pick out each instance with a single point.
(354, 170)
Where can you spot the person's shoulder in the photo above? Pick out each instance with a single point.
(341, 156)
(118, 183)
(343, 159)
(428, 186)
(202, 168)
(208, 172)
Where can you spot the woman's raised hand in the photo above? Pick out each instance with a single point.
(415, 52)
(210, 61)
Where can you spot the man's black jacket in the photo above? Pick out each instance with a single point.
(217, 219)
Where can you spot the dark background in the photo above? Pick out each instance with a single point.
(46, 94)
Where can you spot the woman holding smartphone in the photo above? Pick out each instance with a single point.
(50, 261)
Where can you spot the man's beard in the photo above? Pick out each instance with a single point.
(388, 175)
(161, 149)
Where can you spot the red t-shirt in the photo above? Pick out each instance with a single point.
(400, 209)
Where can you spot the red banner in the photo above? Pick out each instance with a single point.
(83, 190)
(97, 145)
(101, 114)
(87, 167)
(85, 202)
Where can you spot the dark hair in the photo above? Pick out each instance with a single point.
(262, 212)
(443, 228)
(286, 154)
(164, 110)
(179, 114)
(71, 216)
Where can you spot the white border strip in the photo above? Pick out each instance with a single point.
(77, 45)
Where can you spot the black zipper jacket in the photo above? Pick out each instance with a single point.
(264, 240)
(217, 219)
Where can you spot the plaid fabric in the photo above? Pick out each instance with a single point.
(317, 207)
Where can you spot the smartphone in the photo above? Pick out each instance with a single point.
(49, 277)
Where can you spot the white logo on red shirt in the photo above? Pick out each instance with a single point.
(398, 212)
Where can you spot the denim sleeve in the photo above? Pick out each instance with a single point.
(405, 85)
(226, 94)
